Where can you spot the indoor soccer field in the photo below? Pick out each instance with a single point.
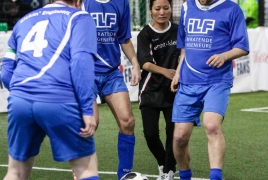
(245, 128)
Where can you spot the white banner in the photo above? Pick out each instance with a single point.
(3, 91)
(250, 72)
(259, 58)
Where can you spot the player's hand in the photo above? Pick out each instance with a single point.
(175, 82)
(136, 76)
(90, 126)
(169, 73)
(216, 61)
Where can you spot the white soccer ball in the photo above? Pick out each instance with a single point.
(134, 176)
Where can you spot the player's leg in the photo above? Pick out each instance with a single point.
(24, 138)
(182, 133)
(170, 162)
(120, 106)
(150, 121)
(114, 91)
(85, 167)
(185, 114)
(216, 143)
(215, 106)
(96, 113)
(19, 170)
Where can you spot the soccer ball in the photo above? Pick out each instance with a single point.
(134, 176)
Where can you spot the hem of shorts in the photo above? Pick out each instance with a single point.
(209, 110)
(21, 159)
(118, 90)
(175, 120)
(75, 156)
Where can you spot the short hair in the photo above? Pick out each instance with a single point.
(68, 1)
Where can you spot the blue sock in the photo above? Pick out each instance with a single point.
(91, 178)
(185, 174)
(215, 174)
(125, 148)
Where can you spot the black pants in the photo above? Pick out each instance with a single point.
(150, 120)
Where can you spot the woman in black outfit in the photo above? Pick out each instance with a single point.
(158, 58)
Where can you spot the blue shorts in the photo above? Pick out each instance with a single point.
(109, 84)
(30, 121)
(190, 100)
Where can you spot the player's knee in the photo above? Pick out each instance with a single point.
(128, 121)
(212, 129)
(127, 125)
(180, 141)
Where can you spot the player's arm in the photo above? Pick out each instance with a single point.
(129, 51)
(175, 80)
(180, 45)
(83, 51)
(168, 73)
(145, 58)
(82, 73)
(238, 40)
(9, 63)
(217, 60)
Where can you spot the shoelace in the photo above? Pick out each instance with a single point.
(163, 176)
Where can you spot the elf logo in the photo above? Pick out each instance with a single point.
(200, 26)
(104, 20)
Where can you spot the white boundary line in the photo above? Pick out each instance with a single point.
(261, 109)
(100, 172)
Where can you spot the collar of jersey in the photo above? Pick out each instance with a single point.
(55, 4)
(169, 25)
(103, 1)
(208, 7)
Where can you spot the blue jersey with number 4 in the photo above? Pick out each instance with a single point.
(208, 30)
(112, 18)
(53, 53)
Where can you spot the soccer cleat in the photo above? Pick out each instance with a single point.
(169, 175)
(162, 175)
(75, 178)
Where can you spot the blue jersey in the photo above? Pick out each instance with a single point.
(112, 18)
(51, 66)
(208, 30)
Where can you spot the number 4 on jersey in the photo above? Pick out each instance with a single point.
(39, 42)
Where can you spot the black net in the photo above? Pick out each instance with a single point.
(141, 16)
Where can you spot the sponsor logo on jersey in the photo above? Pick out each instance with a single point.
(104, 23)
(198, 42)
(165, 44)
(104, 20)
(198, 37)
(200, 26)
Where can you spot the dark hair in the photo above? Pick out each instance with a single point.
(68, 1)
(152, 2)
